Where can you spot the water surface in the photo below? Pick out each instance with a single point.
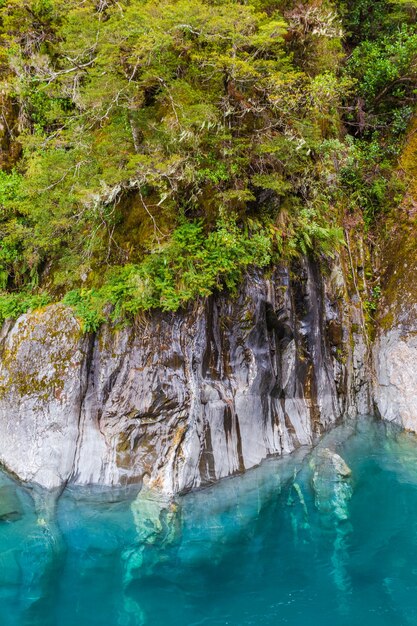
(276, 546)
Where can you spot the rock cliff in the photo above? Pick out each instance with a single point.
(183, 399)
(395, 346)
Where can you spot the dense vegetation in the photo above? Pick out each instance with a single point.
(152, 150)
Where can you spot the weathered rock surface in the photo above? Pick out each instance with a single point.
(395, 348)
(182, 399)
(395, 356)
(42, 386)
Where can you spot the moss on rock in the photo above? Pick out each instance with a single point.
(40, 351)
(399, 249)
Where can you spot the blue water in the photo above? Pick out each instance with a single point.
(258, 549)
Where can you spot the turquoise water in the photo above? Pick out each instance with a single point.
(282, 545)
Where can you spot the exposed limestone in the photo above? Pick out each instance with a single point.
(185, 398)
(42, 384)
(395, 348)
(395, 357)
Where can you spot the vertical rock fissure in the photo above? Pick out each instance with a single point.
(85, 377)
(187, 398)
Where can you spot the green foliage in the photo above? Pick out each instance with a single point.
(168, 145)
(191, 265)
(310, 233)
(88, 306)
(365, 19)
(371, 305)
(140, 119)
(9, 187)
(365, 177)
(386, 75)
(382, 63)
(14, 304)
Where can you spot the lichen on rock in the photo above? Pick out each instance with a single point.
(184, 398)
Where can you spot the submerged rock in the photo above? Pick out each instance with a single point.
(10, 505)
(157, 520)
(332, 488)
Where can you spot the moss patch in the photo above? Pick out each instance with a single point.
(399, 250)
(42, 349)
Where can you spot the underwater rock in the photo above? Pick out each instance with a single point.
(157, 520)
(10, 505)
(40, 561)
(332, 488)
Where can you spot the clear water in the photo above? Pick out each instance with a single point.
(272, 547)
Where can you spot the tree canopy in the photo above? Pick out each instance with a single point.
(153, 149)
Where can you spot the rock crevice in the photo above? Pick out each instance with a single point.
(187, 398)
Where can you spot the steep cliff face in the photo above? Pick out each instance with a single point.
(182, 399)
(42, 386)
(395, 348)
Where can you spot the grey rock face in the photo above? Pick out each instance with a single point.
(395, 349)
(42, 385)
(395, 362)
(182, 399)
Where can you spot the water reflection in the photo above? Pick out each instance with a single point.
(328, 536)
